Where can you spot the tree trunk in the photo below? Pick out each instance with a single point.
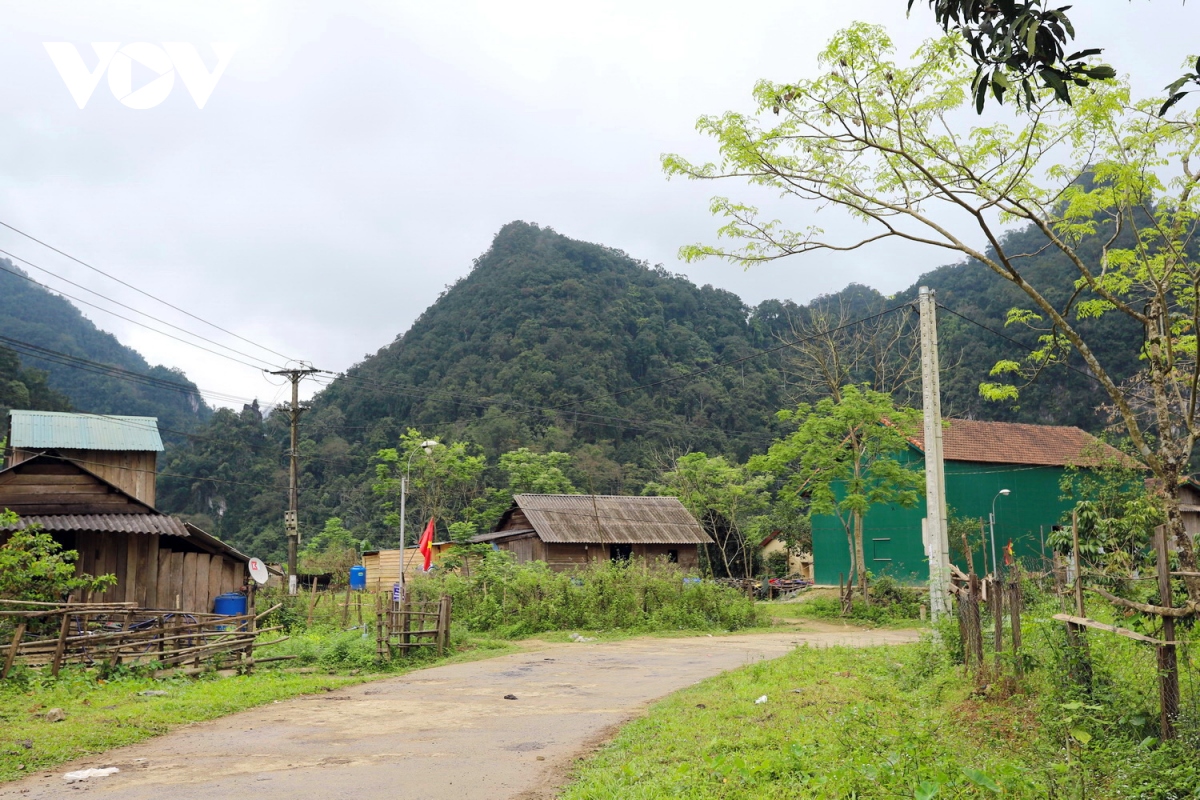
(860, 555)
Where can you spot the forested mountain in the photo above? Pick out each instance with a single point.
(560, 345)
(29, 313)
(27, 388)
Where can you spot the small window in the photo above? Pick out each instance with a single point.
(620, 552)
(673, 556)
(882, 549)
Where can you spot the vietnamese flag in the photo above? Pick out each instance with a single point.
(425, 546)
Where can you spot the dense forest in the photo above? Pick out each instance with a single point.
(31, 314)
(565, 347)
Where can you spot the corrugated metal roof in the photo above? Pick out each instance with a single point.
(33, 430)
(107, 523)
(608, 519)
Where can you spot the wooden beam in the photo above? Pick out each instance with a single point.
(1091, 623)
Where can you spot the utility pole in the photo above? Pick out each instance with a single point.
(937, 538)
(291, 517)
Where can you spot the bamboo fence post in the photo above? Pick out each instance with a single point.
(346, 607)
(1168, 666)
(996, 603)
(1081, 668)
(1014, 611)
(312, 601)
(379, 627)
(12, 649)
(62, 643)
(974, 643)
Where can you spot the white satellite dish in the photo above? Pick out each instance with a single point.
(258, 571)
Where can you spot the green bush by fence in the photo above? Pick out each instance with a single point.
(502, 597)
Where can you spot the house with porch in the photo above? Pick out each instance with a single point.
(1015, 468)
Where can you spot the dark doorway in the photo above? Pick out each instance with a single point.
(620, 552)
(672, 556)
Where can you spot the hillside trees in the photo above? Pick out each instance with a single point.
(878, 138)
(842, 459)
(724, 497)
(26, 388)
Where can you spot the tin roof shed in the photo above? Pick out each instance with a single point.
(38, 430)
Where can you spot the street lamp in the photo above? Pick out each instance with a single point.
(427, 446)
(992, 527)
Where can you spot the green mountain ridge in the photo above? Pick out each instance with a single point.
(557, 345)
(32, 314)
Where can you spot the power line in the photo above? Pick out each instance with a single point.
(140, 291)
(117, 302)
(109, 370)
(134, 321)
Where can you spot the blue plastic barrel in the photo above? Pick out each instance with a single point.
(230, 604)
(358, 578)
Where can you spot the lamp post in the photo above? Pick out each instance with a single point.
(991, 527)
(427, 446)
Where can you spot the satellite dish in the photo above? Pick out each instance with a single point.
(258, 571)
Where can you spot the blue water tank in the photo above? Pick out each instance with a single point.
(230, 604)
(358, 578)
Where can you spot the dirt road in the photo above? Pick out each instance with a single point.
(443, 732)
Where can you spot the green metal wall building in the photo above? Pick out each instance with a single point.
(981, 459)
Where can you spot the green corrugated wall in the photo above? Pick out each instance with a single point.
(892, 535)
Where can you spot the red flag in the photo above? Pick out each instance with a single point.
(425, 546)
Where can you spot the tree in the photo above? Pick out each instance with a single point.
(443, 479)
(843, 458)
(1019, 41)
(35, 567)
(877, 138)
(723, 497)
(334, 550)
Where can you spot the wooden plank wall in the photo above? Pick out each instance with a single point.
(152, 575)
(133, 471)
(383, 566)
(60, 488)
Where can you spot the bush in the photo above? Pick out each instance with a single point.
(509, 599)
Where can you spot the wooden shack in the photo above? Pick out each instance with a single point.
(88, 480)
(383, 566)
(570, 530)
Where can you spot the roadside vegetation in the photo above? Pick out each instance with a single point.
(909, 721)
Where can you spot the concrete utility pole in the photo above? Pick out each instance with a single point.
(937, 539)
(290, 517)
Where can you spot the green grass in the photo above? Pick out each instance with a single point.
(877, 722)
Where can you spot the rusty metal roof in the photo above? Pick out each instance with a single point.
(1020, 443)
(608, 519)
(106, 523)
(34, 430)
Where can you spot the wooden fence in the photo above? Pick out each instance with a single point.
(116, 634)
(412, 624)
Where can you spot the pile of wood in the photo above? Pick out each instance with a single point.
(116, 634)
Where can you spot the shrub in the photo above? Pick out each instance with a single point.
(510, 599)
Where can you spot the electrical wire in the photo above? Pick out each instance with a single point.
(116, 302)
(134, 321)
(141, 291)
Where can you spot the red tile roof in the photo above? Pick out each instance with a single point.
(1017, 443)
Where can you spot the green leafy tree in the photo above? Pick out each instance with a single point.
(443, 480)
(723, 496)
(334, 550)
(1019, 42)
(35, 567)
(842, 459)
(879, 138)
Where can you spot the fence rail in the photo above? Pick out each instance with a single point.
(115, 634)
(404, 626)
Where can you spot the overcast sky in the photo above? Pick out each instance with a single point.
(355, 156)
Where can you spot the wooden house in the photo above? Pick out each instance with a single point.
(570, 530)
(88, 480)
(383, 566)
(798, 563)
